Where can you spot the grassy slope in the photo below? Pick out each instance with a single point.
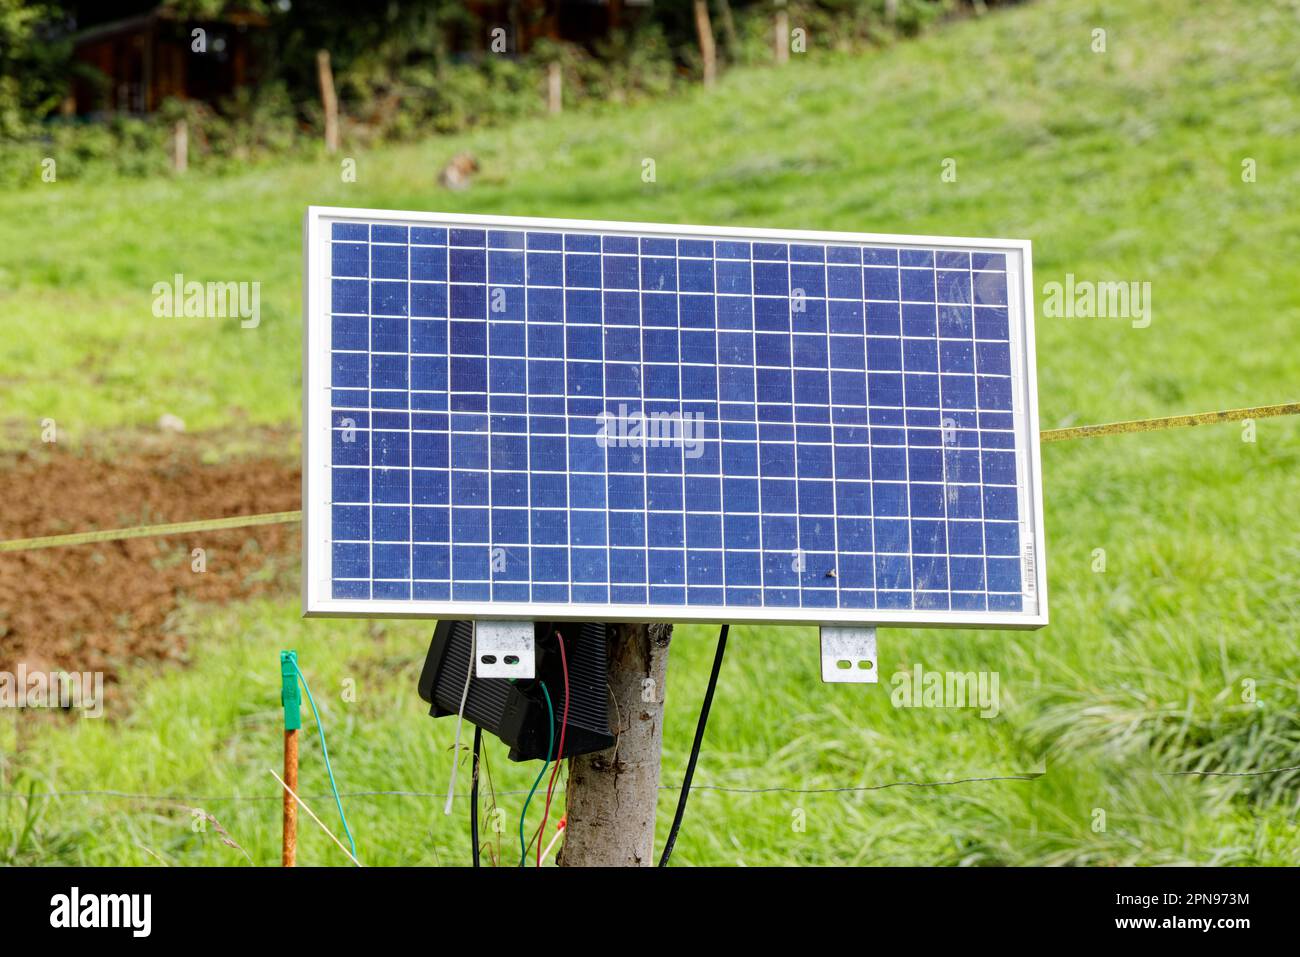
(1119, 166)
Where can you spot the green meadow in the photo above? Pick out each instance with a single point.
(1173, 557)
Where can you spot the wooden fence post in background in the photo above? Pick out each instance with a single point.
(554, 88)
(708, 50)
(329, 101)
(781, 34)
(729, 28)
(611, 795)
(181, 146)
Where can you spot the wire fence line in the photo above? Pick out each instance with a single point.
(1232, 774)
(275, 518)
(190, 799)
(245, 798)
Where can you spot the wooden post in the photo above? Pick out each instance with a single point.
(781, 36)
(554, 88)
(181, 146)
(708, 51)
(290, 843)
(329, 101)
(729, 28)
(612, 794)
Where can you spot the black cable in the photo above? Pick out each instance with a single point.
(695, 748)
(473, 794)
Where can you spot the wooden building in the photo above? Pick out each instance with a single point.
(134, 64)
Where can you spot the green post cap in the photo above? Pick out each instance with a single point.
(289, 696)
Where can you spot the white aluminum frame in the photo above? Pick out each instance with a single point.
(316, 571)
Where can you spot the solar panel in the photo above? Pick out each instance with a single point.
(511, 417)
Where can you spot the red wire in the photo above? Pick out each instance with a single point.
(564, 721)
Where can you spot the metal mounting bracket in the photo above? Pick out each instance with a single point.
(504, 649)
(849, 654)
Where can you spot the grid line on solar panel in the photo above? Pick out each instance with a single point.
(805, 419)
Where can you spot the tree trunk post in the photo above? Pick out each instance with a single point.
(329, 100)
(708, 50)
(611, 795)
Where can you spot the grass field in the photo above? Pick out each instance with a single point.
(1183, 654)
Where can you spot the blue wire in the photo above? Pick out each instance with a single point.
(320, 728)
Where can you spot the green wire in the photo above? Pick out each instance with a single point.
(550, 750)
(320, 729)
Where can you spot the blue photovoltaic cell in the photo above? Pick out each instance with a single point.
(561, 417)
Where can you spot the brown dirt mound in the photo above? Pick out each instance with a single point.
(99, 607)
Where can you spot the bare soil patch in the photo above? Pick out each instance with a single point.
(102, 606)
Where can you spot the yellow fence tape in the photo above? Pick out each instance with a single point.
(276, 518)
(146, 531)
(1169, 422)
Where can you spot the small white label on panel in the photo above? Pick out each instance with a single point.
(1031, 569)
